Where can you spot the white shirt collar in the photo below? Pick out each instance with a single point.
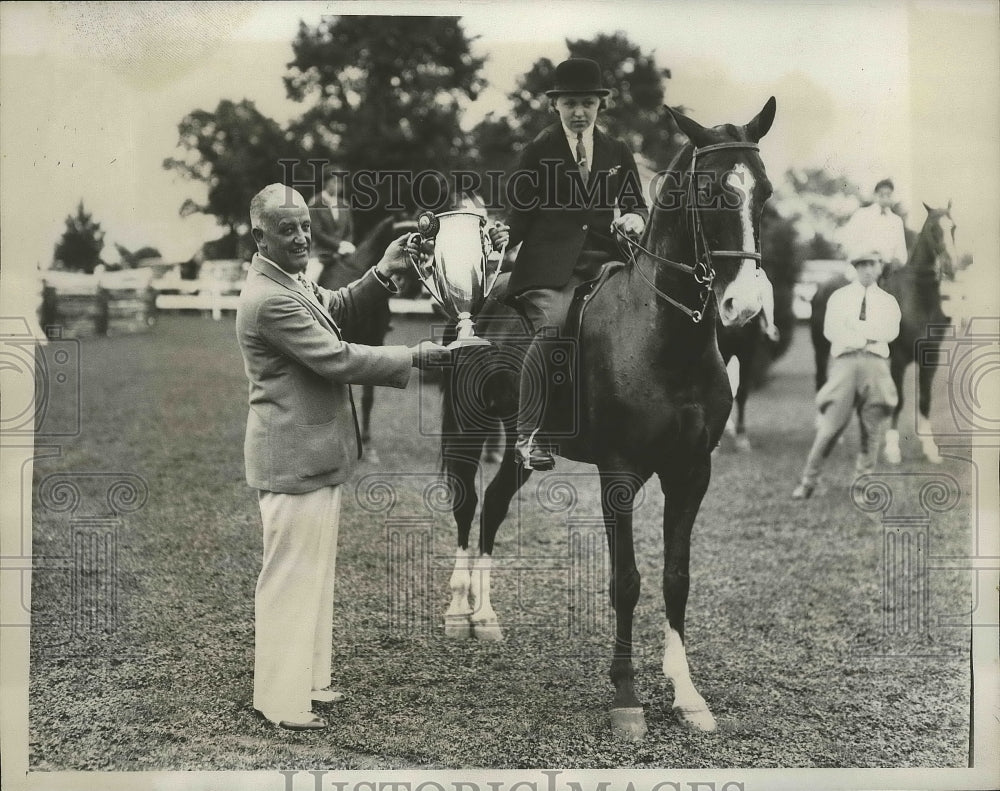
(588, 135)
(290, 274)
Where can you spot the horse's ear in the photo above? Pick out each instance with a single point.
(929, 209)
(948, 209)
(696, 133)
(760, 125)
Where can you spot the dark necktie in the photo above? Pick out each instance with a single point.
(581, 157)
(864, 307)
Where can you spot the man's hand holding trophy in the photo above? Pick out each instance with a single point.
(457, 258)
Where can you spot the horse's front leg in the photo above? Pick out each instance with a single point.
(461, 465)
(683, 493)
(925, 378)
(617, 496)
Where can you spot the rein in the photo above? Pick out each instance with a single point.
(703, 271)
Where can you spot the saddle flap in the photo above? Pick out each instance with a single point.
(585, 292)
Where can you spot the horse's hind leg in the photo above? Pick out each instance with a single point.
(682, 499)
(618, 493)
(461, 464)
(925, 377)
(897, 367)
(740, 405)
(734, 369)
(496, 502)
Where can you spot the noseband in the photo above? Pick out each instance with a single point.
(703, 271)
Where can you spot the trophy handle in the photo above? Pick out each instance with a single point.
(426, 279)
(491, 279)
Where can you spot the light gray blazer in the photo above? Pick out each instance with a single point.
(302, 428)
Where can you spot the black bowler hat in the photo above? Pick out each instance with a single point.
(578, 75)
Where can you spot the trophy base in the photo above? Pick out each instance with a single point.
(472, 340)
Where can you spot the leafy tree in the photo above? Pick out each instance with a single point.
(234, 151)
(819, 203)
(80, 246)
(386, 93)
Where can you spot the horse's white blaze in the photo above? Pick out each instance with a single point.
(948, 234)
(742, 182)
(742, 298)
(675, 668)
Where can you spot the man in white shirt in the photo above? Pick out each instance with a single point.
(861, 321)
(877, 228)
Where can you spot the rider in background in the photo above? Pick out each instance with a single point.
(332, 232)
(570, 183)
(877, 228)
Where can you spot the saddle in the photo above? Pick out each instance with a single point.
(585, 292)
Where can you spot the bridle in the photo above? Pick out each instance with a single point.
(703, 270)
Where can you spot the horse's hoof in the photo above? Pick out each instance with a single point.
(628, 724)
(698, 719)
(742, 443)
(487, 631)
(371, 456)
(458, 627)
(893, 456)
(932, 455)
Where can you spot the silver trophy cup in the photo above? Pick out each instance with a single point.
(462, 270)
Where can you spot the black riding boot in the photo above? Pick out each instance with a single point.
(531, 408)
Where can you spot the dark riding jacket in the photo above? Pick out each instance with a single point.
(556, 218)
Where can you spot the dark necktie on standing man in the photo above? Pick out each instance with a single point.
(581, 158)
(863, 313)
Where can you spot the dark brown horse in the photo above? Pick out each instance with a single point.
(917, 288)
(650, 390)
(371, 331)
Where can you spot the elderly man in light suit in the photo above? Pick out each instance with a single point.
(302, 442)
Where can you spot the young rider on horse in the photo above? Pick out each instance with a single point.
(568, 183)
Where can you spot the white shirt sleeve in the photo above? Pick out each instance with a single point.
(897, 241)
(842, 327)
(882, 322)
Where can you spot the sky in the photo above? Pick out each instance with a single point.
(92, 93)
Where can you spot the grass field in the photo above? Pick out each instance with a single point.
(141, 657)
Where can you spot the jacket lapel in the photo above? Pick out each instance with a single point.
(285, 280)
(602, 153)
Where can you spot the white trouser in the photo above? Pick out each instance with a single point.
(293, 603)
